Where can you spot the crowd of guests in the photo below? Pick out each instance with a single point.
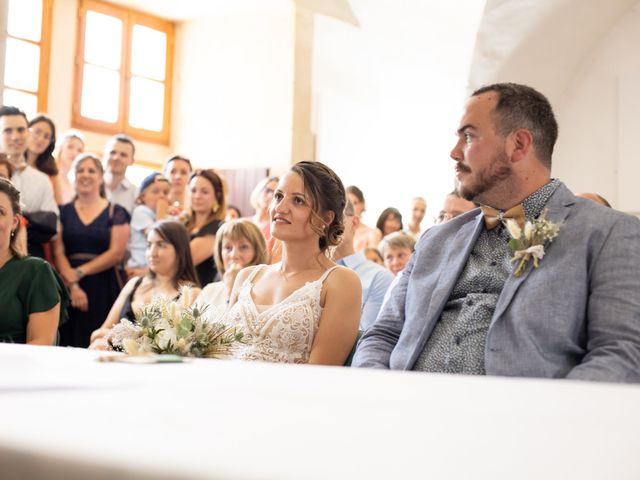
(112, 246)
(303, 277)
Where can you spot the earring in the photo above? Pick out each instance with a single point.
(13, 233)
(215, 208)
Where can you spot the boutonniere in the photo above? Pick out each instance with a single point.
(528, 243)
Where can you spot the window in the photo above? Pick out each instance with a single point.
(26, 69)
(123, 72)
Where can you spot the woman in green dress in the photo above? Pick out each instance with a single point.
(31, 293)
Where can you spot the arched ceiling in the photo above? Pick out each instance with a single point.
(540, 42)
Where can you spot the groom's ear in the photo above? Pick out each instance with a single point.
(519, 145)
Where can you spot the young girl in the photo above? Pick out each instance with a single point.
(152, 206)
(238, 244)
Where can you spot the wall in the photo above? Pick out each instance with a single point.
(600, 125)
(388, 97)
(233, 87)
(582, 55)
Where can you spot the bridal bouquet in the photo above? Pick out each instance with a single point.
(165, 326)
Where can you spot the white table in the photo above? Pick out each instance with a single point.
(64, 415)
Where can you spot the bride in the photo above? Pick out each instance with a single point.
(304, 309)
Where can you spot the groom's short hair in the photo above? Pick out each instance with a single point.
(520, 106)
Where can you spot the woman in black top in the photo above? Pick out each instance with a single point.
(170, 268)
(208, 209)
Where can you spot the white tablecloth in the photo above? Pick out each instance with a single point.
(64, 415)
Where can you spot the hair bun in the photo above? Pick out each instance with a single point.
(333, 235)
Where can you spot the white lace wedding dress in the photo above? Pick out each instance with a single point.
(277, 333)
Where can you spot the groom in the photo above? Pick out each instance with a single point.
(460, 307)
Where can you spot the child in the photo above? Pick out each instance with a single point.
(151, 207)
(396, 249)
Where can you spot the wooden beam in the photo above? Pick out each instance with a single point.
(302, 142)
(4, 14)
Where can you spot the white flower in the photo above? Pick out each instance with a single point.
(528, 230)
(174, 313)
(164, 337)
(186, 297)
(182, 346)
(131, 346)
(145, 345)
(125, 330)
(514, 228)
(536, 251)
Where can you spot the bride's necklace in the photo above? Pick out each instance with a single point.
(289, 275)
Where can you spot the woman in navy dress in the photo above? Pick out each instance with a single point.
(89, 248)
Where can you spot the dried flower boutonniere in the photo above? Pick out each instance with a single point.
(528, 243)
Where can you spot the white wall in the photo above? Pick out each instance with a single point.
(233, 87)
(583, 55)
(388, 97)
(600, 123)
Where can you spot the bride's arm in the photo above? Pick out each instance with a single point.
(340, 318)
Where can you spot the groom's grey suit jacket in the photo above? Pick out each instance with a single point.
(577, 315)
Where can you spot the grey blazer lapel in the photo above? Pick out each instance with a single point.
(558, 207)
(452, 266)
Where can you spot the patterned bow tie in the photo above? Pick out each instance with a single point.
(493, 217)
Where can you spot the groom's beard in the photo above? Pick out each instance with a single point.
(486, 181)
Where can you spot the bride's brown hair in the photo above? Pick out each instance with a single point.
(327, 194)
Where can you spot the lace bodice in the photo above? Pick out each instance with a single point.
(283, 332)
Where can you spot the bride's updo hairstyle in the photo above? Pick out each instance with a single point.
(326, 193)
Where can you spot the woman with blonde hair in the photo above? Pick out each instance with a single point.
(305, 308)
(239, 244)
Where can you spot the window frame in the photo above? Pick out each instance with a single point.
(129, 18)
(42, 94)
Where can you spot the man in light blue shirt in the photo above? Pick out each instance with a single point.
(374, 278)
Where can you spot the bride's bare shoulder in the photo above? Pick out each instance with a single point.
(343, 277)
